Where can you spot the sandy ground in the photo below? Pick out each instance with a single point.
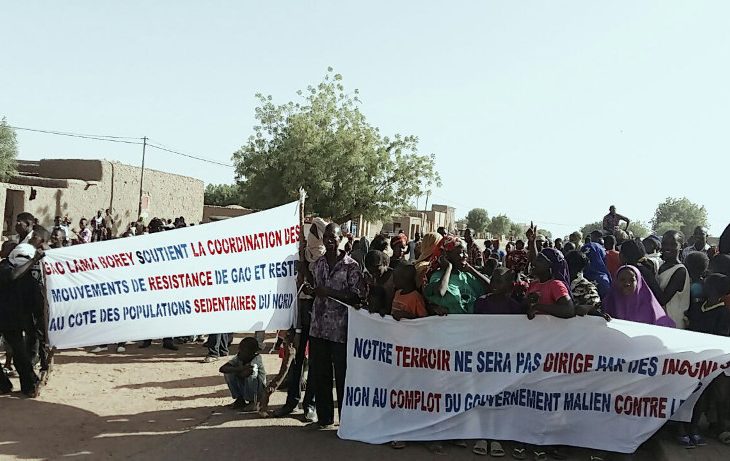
(154, 404)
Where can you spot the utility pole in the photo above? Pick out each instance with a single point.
(141, 177)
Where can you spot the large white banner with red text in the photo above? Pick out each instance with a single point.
(230, 276)
(548, 381)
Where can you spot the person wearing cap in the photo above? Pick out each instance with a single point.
(245, 376)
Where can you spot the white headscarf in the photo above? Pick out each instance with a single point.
(21, 254)
(315, 245)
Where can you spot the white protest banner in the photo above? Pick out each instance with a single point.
(548, 381)
(230, 276)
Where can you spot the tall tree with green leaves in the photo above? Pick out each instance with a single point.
(590, 227)
(8, 151)
(222, 194)
(324, 144)
(517, 231)
(640, 229)
(478, 219)
(678, 214)
(500, 225)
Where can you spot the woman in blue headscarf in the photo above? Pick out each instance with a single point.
(596, 271)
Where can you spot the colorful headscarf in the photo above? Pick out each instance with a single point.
(429, 246)
(450, 242)
(558, 266)
(430, 251)
(640, 306)
(596, 271)
(446, 244)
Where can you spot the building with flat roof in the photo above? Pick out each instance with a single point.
(79, 188)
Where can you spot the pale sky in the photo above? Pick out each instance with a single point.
(544, 110)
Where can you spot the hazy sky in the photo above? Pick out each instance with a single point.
(543, 110)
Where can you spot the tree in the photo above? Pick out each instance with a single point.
(516, 231)
(222, 194)
(640, 229)
(500, 225)
(8, 151)
(588, 228)
(548, 235)
(680, 213)
(324, 144)
(478, 219)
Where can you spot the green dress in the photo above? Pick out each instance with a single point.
(463, 291)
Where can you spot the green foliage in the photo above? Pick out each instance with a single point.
(8, 151)
(667, 226)
(678, 214)
(478, 219)
(640, 229)
(325, 145)
(548, 235)
(500, 225)
(588, 228)
(222, 194)
(517, 231)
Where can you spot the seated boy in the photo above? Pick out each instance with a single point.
(246, 376)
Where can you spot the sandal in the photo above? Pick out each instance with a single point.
(496, 450)
(698, 440)
(397, 444)
(540, 456)
(519, 453)
(686, 442)
(724, 437)
(459, 443)
(481, 448)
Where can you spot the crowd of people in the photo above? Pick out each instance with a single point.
(659, 280)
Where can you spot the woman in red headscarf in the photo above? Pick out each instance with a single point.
(398, 244)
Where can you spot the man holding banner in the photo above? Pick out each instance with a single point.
(338, 280)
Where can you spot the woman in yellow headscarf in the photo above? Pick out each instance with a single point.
(429, 246)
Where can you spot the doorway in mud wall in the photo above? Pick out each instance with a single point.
(14, 201)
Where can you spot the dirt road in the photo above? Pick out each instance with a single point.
(154, 404)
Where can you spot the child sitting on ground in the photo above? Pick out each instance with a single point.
(408, 302)
(246, 376)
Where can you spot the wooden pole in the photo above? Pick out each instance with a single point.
(141, 176)
(301, 273)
